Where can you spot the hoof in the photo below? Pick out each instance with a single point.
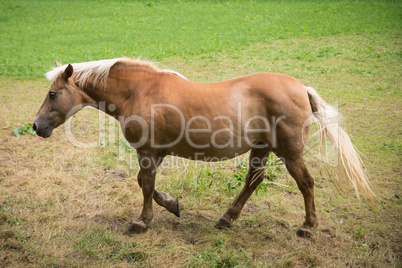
(223, 224)
(175, 208)
(304, 232)
(137, 228)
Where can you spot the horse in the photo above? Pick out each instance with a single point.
(162, 113)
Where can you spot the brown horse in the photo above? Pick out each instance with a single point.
(161, 113)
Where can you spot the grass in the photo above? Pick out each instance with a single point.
(155, 30)
(66, 206)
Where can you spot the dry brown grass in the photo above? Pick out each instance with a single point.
(69, 207)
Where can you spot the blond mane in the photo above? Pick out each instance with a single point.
(97, 70)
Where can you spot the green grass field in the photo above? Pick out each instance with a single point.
(64, 206)
(34, 34)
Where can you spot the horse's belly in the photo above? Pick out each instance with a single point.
(208, 154)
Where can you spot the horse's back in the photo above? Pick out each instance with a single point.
(239, 112)
(270, 93)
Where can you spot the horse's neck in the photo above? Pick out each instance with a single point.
(113, 96)
(106, 100)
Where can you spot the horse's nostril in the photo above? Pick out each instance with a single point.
(34, 127)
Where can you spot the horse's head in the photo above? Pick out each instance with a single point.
(62, 101)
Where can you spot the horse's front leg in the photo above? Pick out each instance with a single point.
(163, 199)
(149, 162)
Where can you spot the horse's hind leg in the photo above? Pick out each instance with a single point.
(255, 175)
(305, 182)
(163, 199)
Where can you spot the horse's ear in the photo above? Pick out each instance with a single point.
(58, 64)
(68, 72)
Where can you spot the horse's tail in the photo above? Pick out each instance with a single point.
(350, 165)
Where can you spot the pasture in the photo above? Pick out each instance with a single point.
(63, 205)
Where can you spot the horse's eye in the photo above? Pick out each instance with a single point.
(52, 94)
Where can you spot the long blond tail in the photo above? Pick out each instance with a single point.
(350, 165)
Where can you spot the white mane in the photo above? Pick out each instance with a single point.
(99, 70)
(174, 72)
(82, 71)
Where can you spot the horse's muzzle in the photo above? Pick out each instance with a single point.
(42, 129)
